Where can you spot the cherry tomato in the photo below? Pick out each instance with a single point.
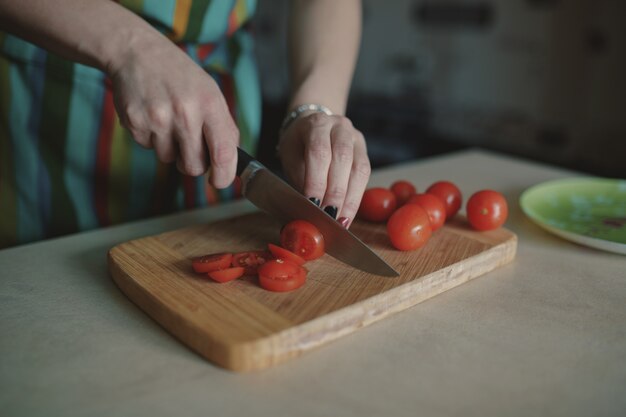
(284, 254)
(449, 194)
(225, 275)
(303, 239)
(377, 204)
(251, 260)
(403, 190)
(213, 262)
(409, 227)
(487, 210)
(434, 207)
(280, 275)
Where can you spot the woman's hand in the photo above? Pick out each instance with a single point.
(172, 105)
(325, 158)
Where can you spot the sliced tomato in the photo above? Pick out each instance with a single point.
(251, 260)
(287, 255)
(280, 275)
(212, 262)
(225, 275)
(303, 239)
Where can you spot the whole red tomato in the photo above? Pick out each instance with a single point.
(377, 204)
(449, 194)
(303, 239)
(409, 227)
(403, 190)
(487, 210)
(434, 207)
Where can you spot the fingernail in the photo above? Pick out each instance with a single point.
(344, 221)
(331, 211)
(315, 201)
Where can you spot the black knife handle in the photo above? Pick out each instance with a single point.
(243, 160)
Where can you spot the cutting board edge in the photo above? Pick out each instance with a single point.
(183, 330)
(288, 344)
(278, 347)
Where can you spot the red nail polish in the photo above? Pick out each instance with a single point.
(344, 221)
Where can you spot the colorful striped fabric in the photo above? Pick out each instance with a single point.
(66, 164)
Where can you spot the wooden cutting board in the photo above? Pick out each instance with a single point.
(240, 326)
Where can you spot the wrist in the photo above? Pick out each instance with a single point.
(128, 45)
(303, 110)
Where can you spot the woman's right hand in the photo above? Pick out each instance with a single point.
(170, 104)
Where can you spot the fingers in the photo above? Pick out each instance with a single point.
(342, 145)
(222, 137)
(359, 176)
(336, 167)
(317, 156)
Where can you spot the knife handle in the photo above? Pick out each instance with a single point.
(243, 160)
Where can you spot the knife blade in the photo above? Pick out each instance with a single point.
(271, 194)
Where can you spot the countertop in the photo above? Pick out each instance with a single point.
(544, 335)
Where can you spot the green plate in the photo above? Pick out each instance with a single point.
(589, 211)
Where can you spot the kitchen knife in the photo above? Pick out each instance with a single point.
(279, 199)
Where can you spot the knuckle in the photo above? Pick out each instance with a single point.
(223, 153)
(315, 184)
(362, 169)
(159, 116)
(132, 118)
(335, 193)
(316, 120)
(343, 152)
(344, 122)
(319, 149)
(189, 169)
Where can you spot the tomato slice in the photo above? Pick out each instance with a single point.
(212, 262)
(280, 275)
(251, 260)
(303, 239)
(284, 254)
(225, 275)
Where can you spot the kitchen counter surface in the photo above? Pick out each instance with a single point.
(544, 335)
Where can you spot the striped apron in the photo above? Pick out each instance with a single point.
(66, 163)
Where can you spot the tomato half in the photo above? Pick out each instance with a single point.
(377, 204)
(213, 262)
(225, 275)
(487, 210)
(251, 260)
(280, 275)
(434, 207)
(449, 194)
(284, 254)
(403, 190)
(409, 227)
(303, 239)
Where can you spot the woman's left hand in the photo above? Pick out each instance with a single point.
(325, 158)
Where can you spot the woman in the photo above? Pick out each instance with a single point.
(118, 98)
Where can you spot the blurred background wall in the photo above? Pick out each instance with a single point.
(539, 79)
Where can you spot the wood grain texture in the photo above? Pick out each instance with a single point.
(242, 327)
